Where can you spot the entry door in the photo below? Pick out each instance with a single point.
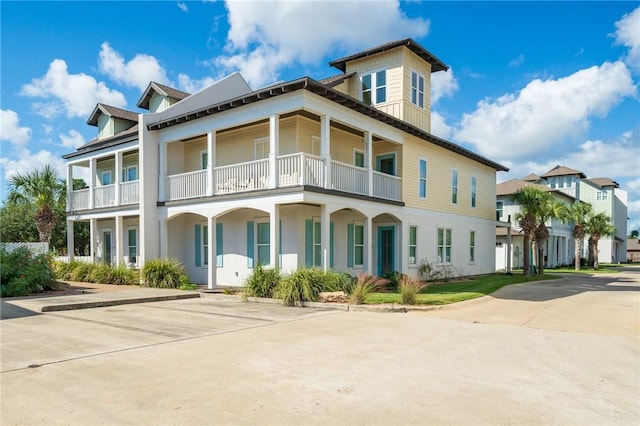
(386, 252)
(106, 246)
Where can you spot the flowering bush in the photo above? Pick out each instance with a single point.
(22, 273)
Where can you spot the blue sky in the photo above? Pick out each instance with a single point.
(530, 85)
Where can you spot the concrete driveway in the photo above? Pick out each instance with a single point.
(562, 352)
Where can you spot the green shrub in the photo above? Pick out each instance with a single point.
(364, 286)
(392, 280)
(163, 273)
(81, 272)
(338, 281)
(123, 275)
(303, 285)
(62, 270)
(262, 282)
(100, 273)
(409, 288)
(22, 273)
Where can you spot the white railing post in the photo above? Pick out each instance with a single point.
(325, 148)
(92, 182)
(118, 178)
(162, 177)
(211, 149)
(368, 160)
(274, 141)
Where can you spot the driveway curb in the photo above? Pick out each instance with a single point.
(115, 302)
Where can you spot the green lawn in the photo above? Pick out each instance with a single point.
(457, 291)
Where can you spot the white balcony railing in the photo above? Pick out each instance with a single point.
(104, 196)
(186, 185)
(348, 178)
(300, 169)
(387, 186)
(242, 177)
(129, 192)
(79, 200)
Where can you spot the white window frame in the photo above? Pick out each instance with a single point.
(417, 95)
(125, 173)
(422, 181)
(474, 191)
(454, 186)
(258, 244)
(441, 249)
(374, 86)
(356, 225)
(204, 245)
(472, 246)
(261, 141)
(413, 260)
(316, 146)
(106, 173)
(135, 245)
(357, 151)
(500, 209)
(203, 165)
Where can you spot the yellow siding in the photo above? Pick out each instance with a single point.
(440, 162)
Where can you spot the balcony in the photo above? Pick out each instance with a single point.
(293, 170)
(104, 196)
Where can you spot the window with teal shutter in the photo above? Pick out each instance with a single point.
(264, 243)
(219, 251)
(250, 259)
(308, 243)
(198, 242)
(350, 245)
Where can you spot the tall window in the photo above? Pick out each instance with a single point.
(358, 245)
(499, 209)
(374, 87)
(133, 247)
(472, 246)
(317, 244)
(417, 89)
(263, 241)
(205, 245)
(106, 177)
(413, 244)
(129, 173)
(474, 190)
(358, 158)
(261, 148)
(204, 160)
(454, 186)
(422, 179)
(444, 245)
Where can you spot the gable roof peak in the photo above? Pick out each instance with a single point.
(163, 90)
(111, 111)
(559, 170)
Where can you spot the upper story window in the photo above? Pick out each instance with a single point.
(422, 182)
(106, 178)
(499, 209)
(261, 148)
(601, 195)
(129, 173)
(417, 89)
(374, 87)
(454, 186)
(474, 190)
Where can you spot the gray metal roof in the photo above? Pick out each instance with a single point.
(111, 111)
(161, 89)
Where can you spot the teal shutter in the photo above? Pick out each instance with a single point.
(250, 258)
(331, 245)
(350, 245)
(219, 240)
(198, 245)
(308, 242)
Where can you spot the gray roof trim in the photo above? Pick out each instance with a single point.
(333, 95)
(436, 64)
(336, 79)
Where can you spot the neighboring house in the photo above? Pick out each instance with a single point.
(559, 248)
(341, 173)
(633, 250)
(603, 194)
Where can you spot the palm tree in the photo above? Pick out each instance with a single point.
(43, 189)
(598, 225)
(548, 208)
(528, 198)
(578, 213)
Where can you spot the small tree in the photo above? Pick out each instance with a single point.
(549, 208)
(598, 225)
(529, 200)
(578, 214)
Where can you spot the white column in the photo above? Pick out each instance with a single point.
(118, 178)
(325, 230)
(368, 244)
(93, 238)
(274, 142)
(274, 237)
(70, 240)
(163, 172)
(325, 148)
(119, 241)
(509, 249)
(92, 182)
(69, 187)
(368, 161)
(211, 255)
(211, 154)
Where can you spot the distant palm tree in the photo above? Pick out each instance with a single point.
(43, 189)
(598, 225)
(548, 208)
(529, 199)
(578, 214)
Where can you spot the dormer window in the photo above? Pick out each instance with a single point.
(374, 87)
(417, 89)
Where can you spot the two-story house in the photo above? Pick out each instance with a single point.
(603, 194)
(340, 173)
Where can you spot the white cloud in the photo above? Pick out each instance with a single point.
(75, 94)
(628, 34)
(439, 127)
(138, 72)
(72, 140)
(517, 61)
(544, 113)
(264, 37)
(25, 162)
(443, 84)
(189, 85)
(182, 6)
(10, 129)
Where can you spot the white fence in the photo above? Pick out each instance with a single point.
(35, 248)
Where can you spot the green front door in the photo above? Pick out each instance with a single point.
(386, 250)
